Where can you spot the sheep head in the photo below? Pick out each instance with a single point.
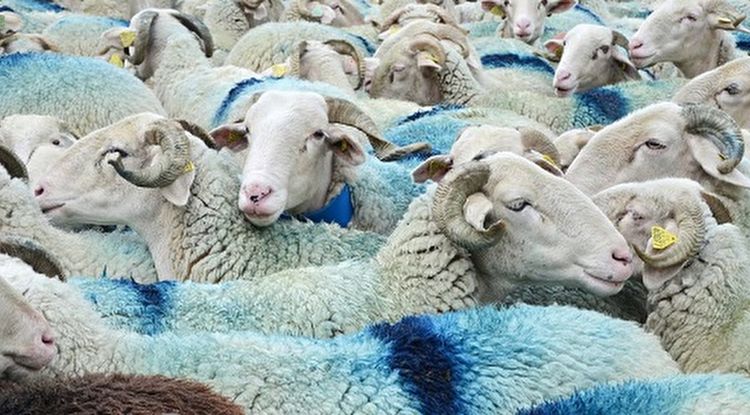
(524, 19)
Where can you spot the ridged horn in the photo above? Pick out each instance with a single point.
(196, 26)
(142, 23)
(619, 39)
(30, 252)
(719, 128)
(12, 164)
(341, 111)
(536, 140)
(448, 206)
(344, 47)
(692, 232)
(199, 132)
(175, 157)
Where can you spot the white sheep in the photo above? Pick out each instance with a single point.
(726, 87)
(692, 34)
(200, 234)
(525, 19)
(696, 268)
(477, 360)
(570, 143)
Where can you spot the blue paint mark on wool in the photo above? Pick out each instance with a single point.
(426, 362)
(742, 41)
(234, 93)
(156, 301)
(40, 5)
(604, 105)
(591, 14)
(6, 9)
(512, 60)
(366, 44)
(437, 109)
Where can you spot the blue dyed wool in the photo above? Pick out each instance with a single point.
(86, 93)
(679, 395)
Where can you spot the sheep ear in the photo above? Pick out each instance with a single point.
(10, 22)
(477, 210)
(427, 60)
(232, 136)
(434, 168)
(725, 19)
(709, 157)
(625, 64)
(554, 48)
(178, 193)
(718, 209)
(545, 162)
(559, 6)
(346, 148)
(494, 6)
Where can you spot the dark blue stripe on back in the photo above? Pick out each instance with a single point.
(426, 362)
(606, 105)
(510, 60)
(155, 300)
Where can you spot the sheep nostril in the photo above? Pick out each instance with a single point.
(38, 191)
(623, 256)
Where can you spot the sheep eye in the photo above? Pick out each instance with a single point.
(655, 145)
(543, 3)
(689, 18)
(319, 135)
(56, 142)
(119, 151)
(732, 89)
(605, 49)
(518, 205)
(507, 3)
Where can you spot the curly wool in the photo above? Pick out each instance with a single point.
(86, 93)
(678, 395)
(482, 360)
(80, 35)
(112, 394)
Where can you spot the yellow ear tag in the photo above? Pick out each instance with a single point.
(117, 61)
(559, 52)
(662, 238)
(235, 136)
(343, 146)
(432, 58)
(549, 160)
(725, 21)
(722, 156)
(189, 167)
(393, 29)
(497, 11)
(279, 70)
(127, 38)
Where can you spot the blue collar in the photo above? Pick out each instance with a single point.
(339, 210)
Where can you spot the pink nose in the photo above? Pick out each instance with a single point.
(563, 75)
(635, 44)
(255, 193)
(523, 27)
(622, 256)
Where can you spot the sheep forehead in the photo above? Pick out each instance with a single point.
(655, 120)
(127, 130)
(289, 110)
(509, 169)
(478, 139)
(679, 7)
(586, 34)
(22, 124)
(658, 198)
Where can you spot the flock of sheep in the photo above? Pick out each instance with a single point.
(353, 206)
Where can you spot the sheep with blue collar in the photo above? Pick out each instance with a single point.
(484, 360)
(677, 395)
(86, 93)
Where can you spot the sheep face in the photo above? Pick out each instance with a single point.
(25, 134)
(663, 140)
(410, 71)
(516, 217)
(570, 143)
(26, 340)
(591, 57)
(292, 151)
(525, 18)
(110, 176)
(683, 32)
(726, 87)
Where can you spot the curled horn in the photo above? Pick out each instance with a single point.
(199, 132)
(448, 205)
(344, 112)
(343, 47)
(142, 23)
(15, 167)
(619, 39)
(718, 127)
(196, 26)
(536, 140)
(430, 9)
(33, 254)
(431, 45)
(304, 12)
(295, 60)
(174, 159)
(692, 232)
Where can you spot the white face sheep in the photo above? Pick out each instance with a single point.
(525, 18)
(27, 343)
(337, 13)
(689, 33)
(696, 268)
(570, 143)
(726, 87)
(591, 57)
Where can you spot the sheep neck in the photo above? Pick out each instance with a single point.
(421, 269)
(712, 49)
(695, 313)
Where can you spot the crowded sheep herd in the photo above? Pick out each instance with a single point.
(374, 206)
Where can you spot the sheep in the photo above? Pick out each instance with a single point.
(200, 234)
(337, 13)
(412, 12)
(449, 80)
(80, 35)
(678, 395)
(689, 33)
(113, 8)
(471, 361)
(726, 87)
(590, 58)
(88, 252)
(11, 40)
(695, 270)
(28, 343)
(112, 394)
(391, 8)
(525, 19)
(668, 140)
(35, 14)
(570, 143)
(229, 20)
(435, 261)
(85, 93)
(272, 43)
